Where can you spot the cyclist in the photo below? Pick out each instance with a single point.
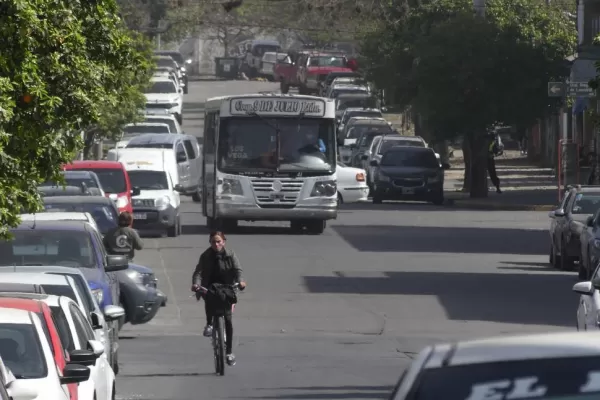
(123, 239)
(218, 265)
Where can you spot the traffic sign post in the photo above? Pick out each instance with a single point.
(570, 89)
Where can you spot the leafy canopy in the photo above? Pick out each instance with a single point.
(62, 65)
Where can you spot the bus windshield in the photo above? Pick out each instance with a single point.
(276, 144)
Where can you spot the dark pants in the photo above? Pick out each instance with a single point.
(491, 167)
(228, 327)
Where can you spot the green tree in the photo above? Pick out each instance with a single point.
(61, 63)
(463, 74)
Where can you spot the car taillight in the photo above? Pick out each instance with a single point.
(360, 177)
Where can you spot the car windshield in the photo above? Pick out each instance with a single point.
(68, 248)
(327, 61)
(71, 181)
(169, 121)
(140, 129)
(175, 56)
(586, 203)
(149, 180)
(335, 93)
(365, 101)
(368, 114)
(407, 158)
(22, 352)
(106, 217)
(356, 131)
(388, 144)
(111, 179)
(251, 143)
(60, 290)
(162, 87)
(574, 378)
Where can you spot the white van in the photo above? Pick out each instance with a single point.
(154, 173)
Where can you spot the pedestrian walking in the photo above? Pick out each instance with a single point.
(495, 148)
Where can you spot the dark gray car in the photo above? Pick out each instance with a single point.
(408, 173)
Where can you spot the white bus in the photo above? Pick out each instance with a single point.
(269, 157)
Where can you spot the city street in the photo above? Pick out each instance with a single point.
(339, 315)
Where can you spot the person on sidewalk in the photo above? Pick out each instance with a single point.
(495, 148)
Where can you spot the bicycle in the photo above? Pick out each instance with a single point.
(219, 337)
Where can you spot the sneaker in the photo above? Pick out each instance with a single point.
(208, 331)
(230, 359)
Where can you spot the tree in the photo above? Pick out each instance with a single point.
(62, 62)
(463, 74)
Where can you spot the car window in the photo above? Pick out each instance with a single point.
(586, 203)
(180, 150)
(82, 334)
(46, 331)
(69, 248)
(190, 149)
(60, 290)
(83, 321)
(170, 122)
(111, 179)
(84, 293)
(106, 217)
(388, 144)
(62, 326)
(21, 351)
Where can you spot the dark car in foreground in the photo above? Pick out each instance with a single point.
(408, 173)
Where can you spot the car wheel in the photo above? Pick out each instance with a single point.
(438, 199)
(377, 198)
(185, 89)
(197, 196)
(556, 259)
(566, 262)
(115, 364)
(340, 199)
(173, 231)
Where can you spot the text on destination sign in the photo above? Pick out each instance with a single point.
(278, 106)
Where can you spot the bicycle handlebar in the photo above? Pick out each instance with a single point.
(234, 286)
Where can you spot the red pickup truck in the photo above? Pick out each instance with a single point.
(307, 69)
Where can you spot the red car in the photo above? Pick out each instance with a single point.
(114, 180)
(45, 314)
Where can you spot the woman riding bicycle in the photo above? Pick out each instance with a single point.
(218, 265)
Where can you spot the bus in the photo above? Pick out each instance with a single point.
(269, 157)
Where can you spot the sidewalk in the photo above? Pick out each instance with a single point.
(524, 186)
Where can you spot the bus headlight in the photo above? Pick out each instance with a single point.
(232, 186)
(324, 188)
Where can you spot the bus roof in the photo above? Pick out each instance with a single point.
(272, 104)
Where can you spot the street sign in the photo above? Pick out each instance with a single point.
(557, 89)
(580, 89)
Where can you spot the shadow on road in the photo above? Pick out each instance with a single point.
(421, 239)
(193, 107)
(529, 299)
(334, 392)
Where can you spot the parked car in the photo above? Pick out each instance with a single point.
(11, 389)
(567, 223)
(408, 173)
(588, 310)
(363, 145)
(351, 184)
(82, 179)
(27, 328)
(103, 210)
(100, 319)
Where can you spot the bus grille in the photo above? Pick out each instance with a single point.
(266, 194)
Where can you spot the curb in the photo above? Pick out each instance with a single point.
(483, 205)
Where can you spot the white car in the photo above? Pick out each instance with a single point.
(77, 334)
(133, 130)
(544, 366)
(50, 215)
(588, 311)
(164, 94)
(351, 184)
(166, 118)
(76, 288)
(27, 353)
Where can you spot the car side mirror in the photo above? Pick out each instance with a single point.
(95, 317)
(96, 347)
(589, 221)
(364, 157)
(113, 313)
(559, 213)
(116, 263)
(584, 288)
(75, 373)
(373, 163)
(82, 357)
(178, 188)
(135, 191)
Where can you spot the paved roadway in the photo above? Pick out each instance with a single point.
(338, 316)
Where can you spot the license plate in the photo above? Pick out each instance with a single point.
(140, 216)
(408, 191)
(277, 196)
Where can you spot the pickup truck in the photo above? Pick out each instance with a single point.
(306, 70)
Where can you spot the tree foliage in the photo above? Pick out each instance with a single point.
(62, 64)
(464, 74)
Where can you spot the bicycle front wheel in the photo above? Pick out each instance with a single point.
(219, 346)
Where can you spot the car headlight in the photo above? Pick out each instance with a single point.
(122, 202)
(324, 188)
(182, 69)
(383, 178)
(597, 243)
(99, 295)
(162, 203)
(231, 186)
(144, 278)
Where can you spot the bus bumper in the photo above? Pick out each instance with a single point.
(253, 212)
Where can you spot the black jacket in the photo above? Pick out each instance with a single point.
(122, 241)
(209, 270)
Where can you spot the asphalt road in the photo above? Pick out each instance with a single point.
(338, 316)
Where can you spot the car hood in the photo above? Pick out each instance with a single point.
(162, 98)
(407, 172)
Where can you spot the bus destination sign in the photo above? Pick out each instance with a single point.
(278, 106)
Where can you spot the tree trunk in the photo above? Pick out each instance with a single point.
(88, 143)
(478, 146)
(467, 160)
